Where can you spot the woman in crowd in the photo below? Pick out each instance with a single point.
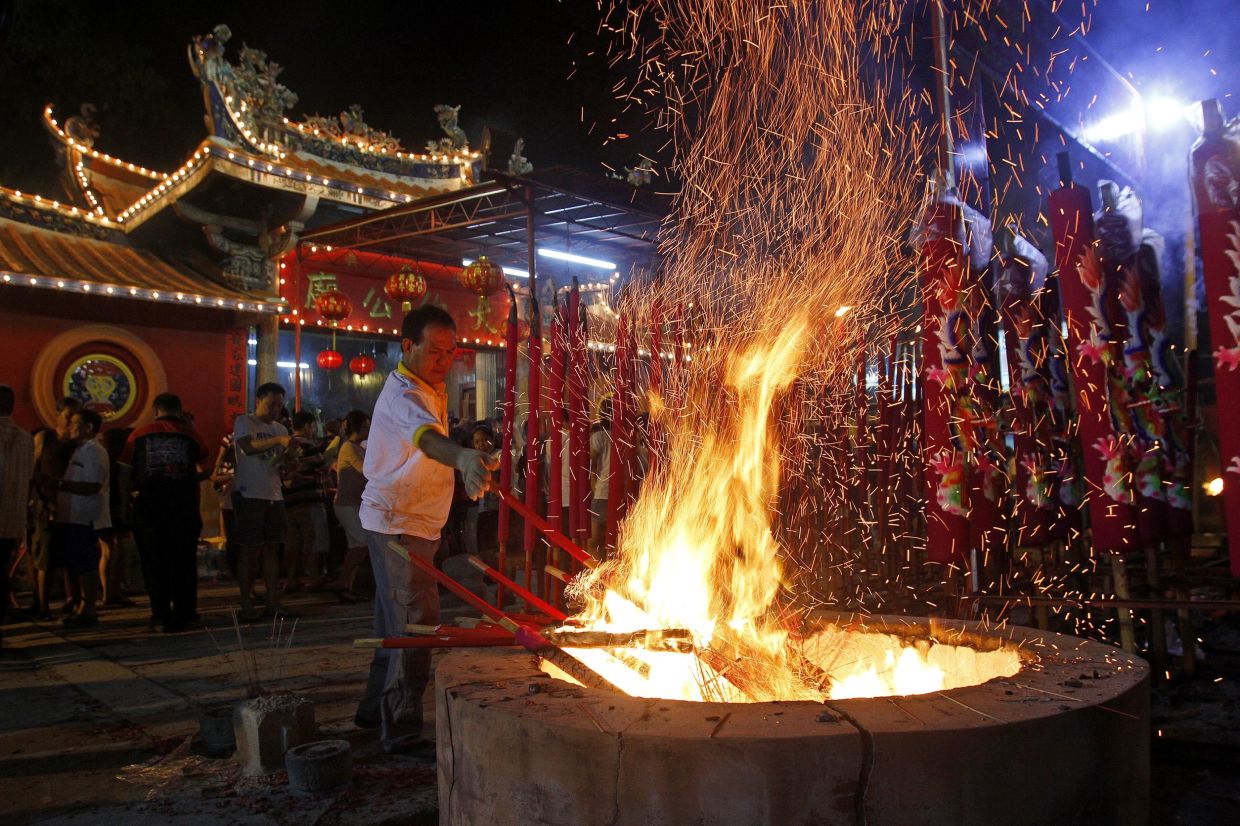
(350, 481)
(113, 541)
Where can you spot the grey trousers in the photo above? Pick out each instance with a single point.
(403, 595)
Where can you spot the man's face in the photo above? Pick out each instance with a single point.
(62, 422)
(306, 430)
(431, 359)
(269, 406)
(79, 430)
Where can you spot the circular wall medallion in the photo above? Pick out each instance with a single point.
(103, 382)
(109, 369)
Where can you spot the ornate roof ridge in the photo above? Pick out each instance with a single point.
(246, 104)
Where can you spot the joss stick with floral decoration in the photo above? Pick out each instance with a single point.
(1113, 517)
(1213, 169)
(943, 365)
(1025, 331)
(533, 467)
(509, 406)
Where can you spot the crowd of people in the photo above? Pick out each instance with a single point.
(304, 506)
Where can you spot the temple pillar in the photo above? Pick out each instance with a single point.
(268, 348)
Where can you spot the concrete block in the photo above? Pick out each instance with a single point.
(319, 766)
(267, 727)
(215, 731)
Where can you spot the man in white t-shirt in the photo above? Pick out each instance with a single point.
(81, 512)
(258, 502)
(409, 483)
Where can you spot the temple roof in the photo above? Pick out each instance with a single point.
(256, 176)
(56, 260)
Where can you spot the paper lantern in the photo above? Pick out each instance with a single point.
(406, 287)
(333, 305)
(483, 277)
(362, 365)
(329, 360)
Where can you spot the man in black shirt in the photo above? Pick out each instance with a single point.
(167, 457)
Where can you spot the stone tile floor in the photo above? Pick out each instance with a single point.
(99, 725)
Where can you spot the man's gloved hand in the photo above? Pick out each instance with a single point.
(475, 467)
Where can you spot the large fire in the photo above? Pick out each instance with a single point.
(698, 554)
(798, 189)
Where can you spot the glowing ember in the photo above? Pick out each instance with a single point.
(847, 662)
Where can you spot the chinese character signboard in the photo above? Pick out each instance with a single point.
(362, 276)
(235, 350)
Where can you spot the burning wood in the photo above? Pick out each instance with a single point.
(669, 639)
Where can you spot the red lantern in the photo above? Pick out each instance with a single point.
(329, 360)
(333, 305)
(483, 277)
(362, 365)
(406, 287)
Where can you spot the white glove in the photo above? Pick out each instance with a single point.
(475, 467)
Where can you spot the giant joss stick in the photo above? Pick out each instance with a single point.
(1091, 352)
(509, 407)
(533, 467)
(1215, 164)
(556, 447)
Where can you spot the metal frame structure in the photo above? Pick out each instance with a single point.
(503, 218)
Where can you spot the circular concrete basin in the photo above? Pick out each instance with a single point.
(1065, 740)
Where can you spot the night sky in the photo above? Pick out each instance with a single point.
(507, 64)
(532, 68)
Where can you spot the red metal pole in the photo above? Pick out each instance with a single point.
(531, 599)
(552, 535)
(498, 638)
(448, 582)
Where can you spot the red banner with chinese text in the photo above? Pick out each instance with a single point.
(235, 396)
(361, 276)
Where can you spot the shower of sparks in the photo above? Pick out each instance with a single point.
(798, 162)
(788, 280)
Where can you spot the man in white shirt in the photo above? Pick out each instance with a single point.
(81, 512)
(258, 502)
(16, 470)
(409, 483)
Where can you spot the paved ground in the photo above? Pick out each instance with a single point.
(99, 725)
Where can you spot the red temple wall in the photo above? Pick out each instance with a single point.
(194, 363)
